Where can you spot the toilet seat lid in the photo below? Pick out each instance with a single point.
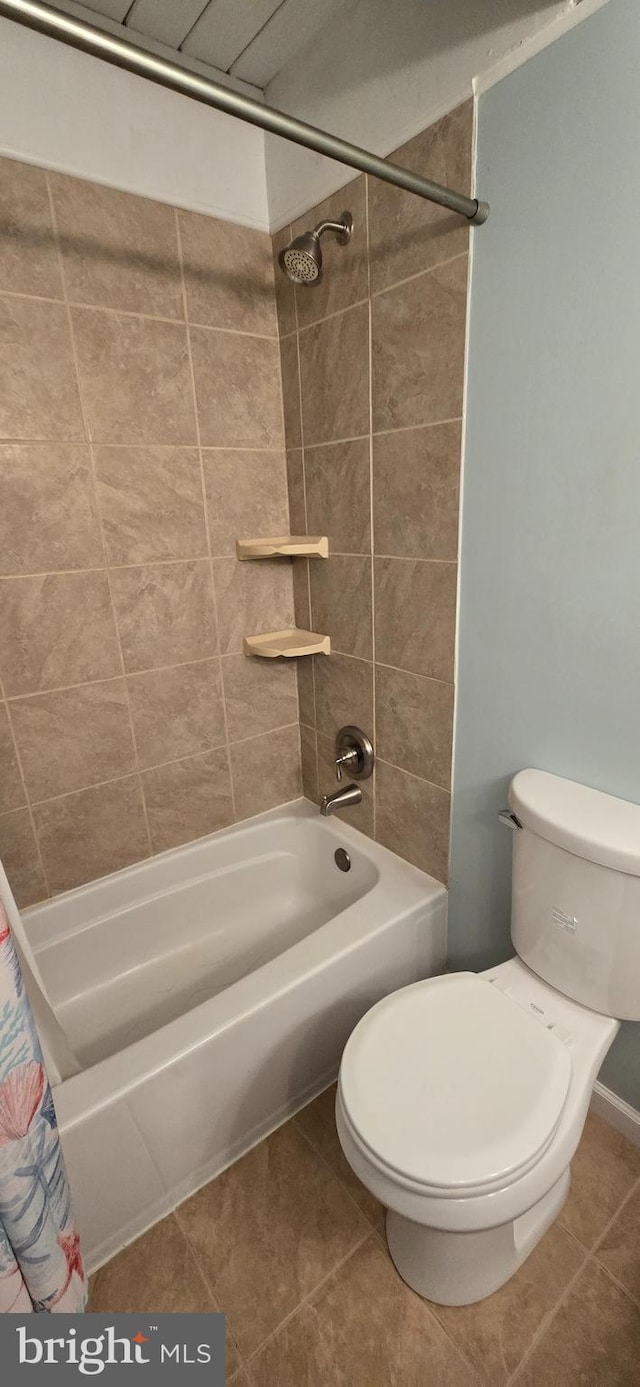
(452, 1084)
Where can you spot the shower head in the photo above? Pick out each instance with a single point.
(301, 260)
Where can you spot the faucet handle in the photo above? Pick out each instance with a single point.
(349, 758)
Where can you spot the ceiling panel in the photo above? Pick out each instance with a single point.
(114, 9)
(164, 20)
(226, 28)
(292, 25)
(248, 41)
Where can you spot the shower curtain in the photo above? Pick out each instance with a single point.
(40, 1260)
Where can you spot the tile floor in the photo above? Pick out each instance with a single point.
(290, 1245)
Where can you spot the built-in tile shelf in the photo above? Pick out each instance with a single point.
(290, 644)
(284, 546)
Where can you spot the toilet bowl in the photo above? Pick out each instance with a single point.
(461, 1099)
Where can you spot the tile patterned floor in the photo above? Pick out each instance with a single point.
(291, 1246)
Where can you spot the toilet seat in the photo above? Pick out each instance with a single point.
(451, 1088)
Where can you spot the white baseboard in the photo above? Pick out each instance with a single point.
(615, 1111)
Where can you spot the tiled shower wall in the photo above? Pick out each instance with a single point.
(140, 433)
(373, 367)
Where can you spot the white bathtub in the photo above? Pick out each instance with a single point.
(208, 994)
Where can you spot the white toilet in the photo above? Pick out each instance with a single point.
(462, 1099)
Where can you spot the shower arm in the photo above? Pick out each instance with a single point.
(90, 39)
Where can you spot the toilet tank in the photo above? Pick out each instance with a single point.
(575, 899)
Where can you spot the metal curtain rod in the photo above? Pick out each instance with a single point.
(90, 39)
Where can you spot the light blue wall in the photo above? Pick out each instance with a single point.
(549, 672)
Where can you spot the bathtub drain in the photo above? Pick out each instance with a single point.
(342, 859)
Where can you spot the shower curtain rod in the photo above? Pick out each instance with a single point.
(90, 39)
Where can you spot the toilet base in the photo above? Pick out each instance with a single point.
(460, 1268)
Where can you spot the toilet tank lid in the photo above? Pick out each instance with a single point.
(589, 823)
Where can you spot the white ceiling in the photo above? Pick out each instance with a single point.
(250, 40)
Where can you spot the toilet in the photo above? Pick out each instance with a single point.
(461, 1099)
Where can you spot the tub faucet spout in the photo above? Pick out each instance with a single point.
(340, 799)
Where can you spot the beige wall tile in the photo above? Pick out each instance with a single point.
(246, 496)
(134, 377)
(73, 738)
(188, 799)
(415, 615)
(48, 515)
(285, 293)
(309, 756)
(92, 833)
(177, 712)
(38, 389)
(306, 694)
(416, 484)
(238, 389)
(417, 349)
(260, 695)
(334, 364)
(414, 724)
(56, 630)
(338, 495)
(266, 771)
(19, 857)
(165, 613)
(295, 486)
(365, 1320)
(345, 273)
(290, 391)
(251, 598)
(412, 819)
(151, 503)
(341, 603)
(11, 788)
(407, 234)
(267, 1231)
(344, 693)
(360, 815)
(118, 250)
(228, 275)
(28, 254)
(301, 600)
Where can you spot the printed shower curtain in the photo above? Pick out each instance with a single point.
(40, 1261)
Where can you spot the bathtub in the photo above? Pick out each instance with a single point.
(207, 995)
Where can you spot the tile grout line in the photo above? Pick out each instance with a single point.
(42, 442)
(195, 559)
(374, 795)
(318, 1153)
(589, 1256)
(306, 522)
(205, 660)
(100, 518)
(158, 766)
(286, 483)
(38, 439)
(548, 1319)
(195, 1253)
(308, 1298)
(214, 597)
(78, 304)
(27, 802)
(377, 293)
